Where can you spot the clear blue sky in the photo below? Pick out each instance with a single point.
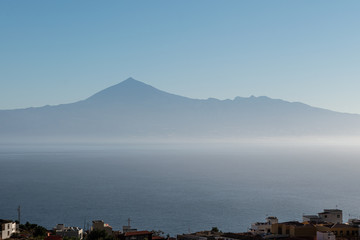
(61, 51)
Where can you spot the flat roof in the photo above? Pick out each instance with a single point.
(5, 221)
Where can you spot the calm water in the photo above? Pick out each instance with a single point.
(176, 188)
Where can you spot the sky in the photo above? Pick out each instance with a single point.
(63, 51)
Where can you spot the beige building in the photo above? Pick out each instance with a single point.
(293, 229)
(344, 230)
(100, 225)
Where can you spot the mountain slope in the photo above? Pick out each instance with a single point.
(134, 109)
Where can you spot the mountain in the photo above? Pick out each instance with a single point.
(132, 109)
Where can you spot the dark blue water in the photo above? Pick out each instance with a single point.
(176, 188)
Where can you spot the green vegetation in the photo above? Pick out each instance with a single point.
(70, 238)
(157, 233)
(99, 235)
(39, 231)
(33, 231)
(28, 226)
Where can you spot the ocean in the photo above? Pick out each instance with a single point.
(176, 188)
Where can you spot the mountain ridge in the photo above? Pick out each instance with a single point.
(135, 109)
(135, 83)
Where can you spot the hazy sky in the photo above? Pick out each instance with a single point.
(54, 52)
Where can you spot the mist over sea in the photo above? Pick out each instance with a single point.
(177, 188)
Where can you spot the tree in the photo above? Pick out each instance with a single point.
(70, 238)
(157, 233)
(39, 231)
(98, 235)
(214, 229)
(28, 226)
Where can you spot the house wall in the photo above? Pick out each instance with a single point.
(325, 236)
(303, 231)
(7, 229)
(346, 231)
(331, 216)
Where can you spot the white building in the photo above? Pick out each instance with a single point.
(8, 228)
(325, 236)
(63, 231)
(331, 215)
(262, 228)
(328, 215)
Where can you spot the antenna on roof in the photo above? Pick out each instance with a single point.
(129, 221)
(19, 213)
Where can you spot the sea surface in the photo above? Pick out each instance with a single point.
(176, 188)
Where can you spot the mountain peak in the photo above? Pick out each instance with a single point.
(130, 90)
(131, 80)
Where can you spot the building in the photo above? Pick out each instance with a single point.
(100, 225)
(344, 230)
(8, 228)
(61, 230)
(53, 237)
(239, 236)
(138, 235)
(331, 215)
(262, 228)
(128, 229)
(328, 215)
(293, 229)
(209, 235)
(311, 218)
(190, 237)
(354, 222)
(324, 235)
(158, 238)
